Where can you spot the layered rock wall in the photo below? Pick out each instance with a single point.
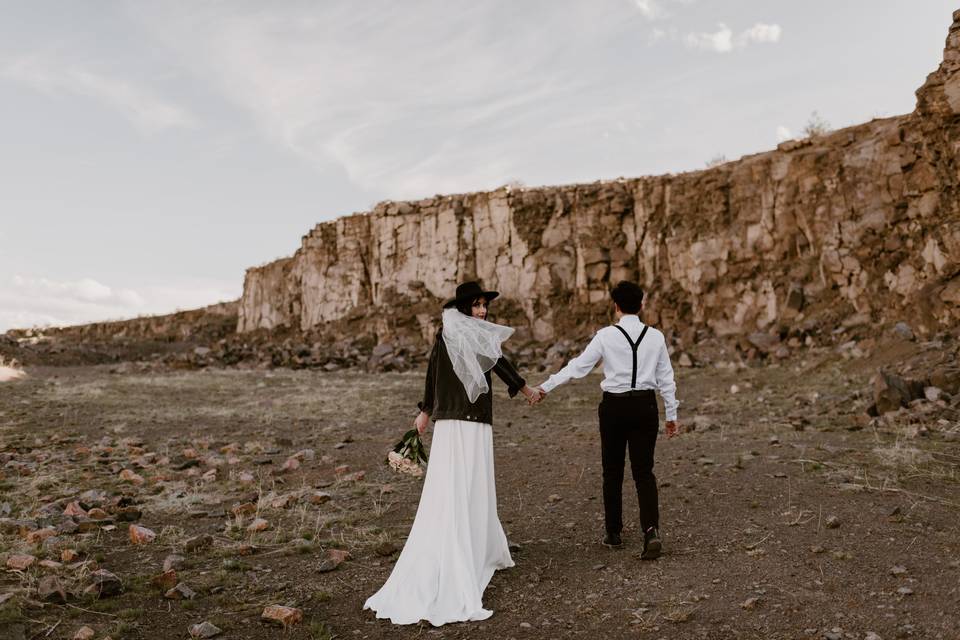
(864, 219)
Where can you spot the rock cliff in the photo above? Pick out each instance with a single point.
(862, 220)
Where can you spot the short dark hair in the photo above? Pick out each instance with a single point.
(628, 296)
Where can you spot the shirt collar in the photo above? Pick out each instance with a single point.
(629, 318)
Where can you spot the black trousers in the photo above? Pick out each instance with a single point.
(629, 421)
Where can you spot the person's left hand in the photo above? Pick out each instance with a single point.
(672, 428)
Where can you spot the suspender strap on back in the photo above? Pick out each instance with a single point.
(633, 345)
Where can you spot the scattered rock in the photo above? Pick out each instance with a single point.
(245, 509)
(198, 542)
(750, 603)
(386, 548)
(898, 569)
(103, 584)
(204, 630)
(50, 589)
(180, 592)
(38, 536)
(903, 330)
(764, 342)
(356, 476)
(74, 509)
(283, 502)
(166, 580)
(174, 561)
(84, 633)
(832, 522)
(318, 497)
(20, 562)
(335, 557)
(141, 535)
(285, 616)
(128, 475)
(892, 392)
(258, 525)
(69, 555)
(905, 591)
(702, 423)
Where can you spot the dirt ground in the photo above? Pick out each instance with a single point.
(785, 513)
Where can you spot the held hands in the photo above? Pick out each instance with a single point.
(421, 422)
(534, 396)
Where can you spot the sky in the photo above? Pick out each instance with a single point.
(152, 151)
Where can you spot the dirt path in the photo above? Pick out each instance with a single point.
(779, 521)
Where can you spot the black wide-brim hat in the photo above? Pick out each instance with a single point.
(470, 291)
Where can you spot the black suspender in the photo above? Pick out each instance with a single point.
(633, 345)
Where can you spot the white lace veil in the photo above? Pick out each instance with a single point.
(474, 348)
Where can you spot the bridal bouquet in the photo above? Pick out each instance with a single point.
(409, 456)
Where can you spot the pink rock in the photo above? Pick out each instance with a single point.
(38, 536)
(141, 535)
(74, 509)
(128, 475)
(258, 525)
(84, 633)
(20, 562)
(286, 616)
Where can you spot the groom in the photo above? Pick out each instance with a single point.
(635, 363)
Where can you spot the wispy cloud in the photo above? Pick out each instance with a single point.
(723, 39)
(720, 40)
(27, 301)
(761, 32)
(136, 103)
(649, 9)
(431, 101)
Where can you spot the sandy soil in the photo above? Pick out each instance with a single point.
(785, 514)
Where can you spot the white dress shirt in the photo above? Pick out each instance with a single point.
(609, 344)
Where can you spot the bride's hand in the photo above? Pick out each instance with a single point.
(421, 422)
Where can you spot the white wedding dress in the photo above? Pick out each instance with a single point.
(456, 542)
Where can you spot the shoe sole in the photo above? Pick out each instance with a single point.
(652, 552)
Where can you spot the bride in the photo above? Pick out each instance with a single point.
(456, 542)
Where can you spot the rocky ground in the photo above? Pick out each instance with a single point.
(137, 501)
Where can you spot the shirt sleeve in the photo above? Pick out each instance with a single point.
(666, 384)
(577, 367)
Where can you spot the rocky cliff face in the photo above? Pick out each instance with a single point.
(865, 220)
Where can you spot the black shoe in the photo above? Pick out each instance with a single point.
(612, 540)
(652, 546)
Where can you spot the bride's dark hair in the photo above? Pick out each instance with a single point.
(466, 306)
